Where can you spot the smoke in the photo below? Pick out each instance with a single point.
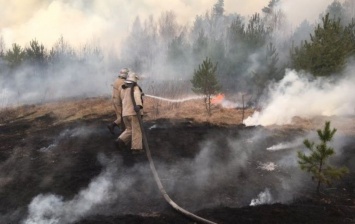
(240, 163)
(33, 84)
(118, 190)
(54, 209)
(263, 198)
(296, 12)
(269, 166)
(281, 146)
(106, 24)
(107, 21)
(111, 191)
(297, 142)
(298, 95)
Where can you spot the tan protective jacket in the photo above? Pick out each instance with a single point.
(116, 100)
(127, 103)
(116, 89)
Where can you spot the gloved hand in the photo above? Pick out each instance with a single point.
(137, 108)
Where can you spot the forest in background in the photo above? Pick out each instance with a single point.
(250, 53)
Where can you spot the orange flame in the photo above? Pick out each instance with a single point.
(217, 99)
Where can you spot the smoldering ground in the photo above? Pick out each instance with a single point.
(75, 172)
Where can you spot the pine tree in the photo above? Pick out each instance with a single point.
(205, 82)
(327, 51)
(218, 8)
(15, 56)
(316, 162)
(256, 32)
(36, 53)
(273, 17)
(267, 71)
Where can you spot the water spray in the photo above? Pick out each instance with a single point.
(175, 101)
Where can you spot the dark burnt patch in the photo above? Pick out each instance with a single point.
(43, 157)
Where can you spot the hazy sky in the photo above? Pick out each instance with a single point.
(82, 21)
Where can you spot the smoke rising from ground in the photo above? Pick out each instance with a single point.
(54, 209)
(298, 95)
(242, 163)
(117, 190)
(263, 198)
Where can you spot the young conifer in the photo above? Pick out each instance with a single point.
(316, 162)
(205, 82)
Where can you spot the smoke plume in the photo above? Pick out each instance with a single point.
(54, 209)
(263, 198)
(298, 95)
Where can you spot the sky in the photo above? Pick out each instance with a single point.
(107, 22)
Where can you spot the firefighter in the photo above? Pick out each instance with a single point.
(116, 101)
(132, 104)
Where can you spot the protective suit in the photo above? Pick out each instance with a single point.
(116, 100)
(131, 93)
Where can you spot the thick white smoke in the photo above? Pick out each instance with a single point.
(263, 198)
(53, 209)
(297, 95)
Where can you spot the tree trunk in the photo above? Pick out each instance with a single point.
(243, 109)
(209, 105)
(319, 171)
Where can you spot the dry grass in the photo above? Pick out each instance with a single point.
(63, 111)
(194, 109)
(344, 124)
(69, 110)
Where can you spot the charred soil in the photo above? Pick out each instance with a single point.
(211, 170)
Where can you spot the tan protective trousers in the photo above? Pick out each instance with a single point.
(118, 110)
(132, 133)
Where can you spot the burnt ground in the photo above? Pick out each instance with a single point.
(72, 173)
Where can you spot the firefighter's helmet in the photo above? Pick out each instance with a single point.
(131, 78)
(123, 73)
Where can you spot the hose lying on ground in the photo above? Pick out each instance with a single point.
(160, 185)
(156, 176)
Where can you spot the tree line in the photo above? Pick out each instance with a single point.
(249, 51)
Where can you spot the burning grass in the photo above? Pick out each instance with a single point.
(195, 109)
(74, 109)
(69, 110)
(67, 164)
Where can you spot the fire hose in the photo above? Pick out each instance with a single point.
(156, 176)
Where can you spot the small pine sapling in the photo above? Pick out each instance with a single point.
(316, 162)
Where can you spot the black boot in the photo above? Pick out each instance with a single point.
(137, 151)
(111, 127)
(120, 144)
